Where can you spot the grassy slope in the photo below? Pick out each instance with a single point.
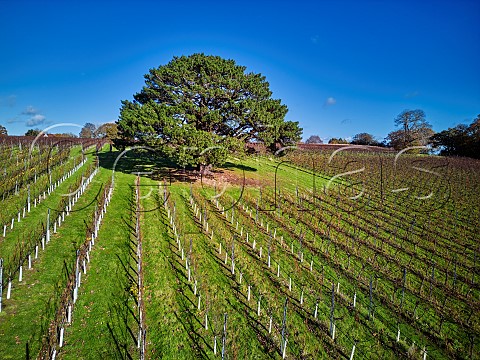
(100, 301)
(101, 320)
(38, 214)
(12, 204)
(174, 326)
(29, 308)
(169, 335)
(177, 326)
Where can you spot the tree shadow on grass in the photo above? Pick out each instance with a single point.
(229, 165)
(157, 167)
(148, 164)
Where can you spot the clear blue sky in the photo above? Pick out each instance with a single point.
(341, 67)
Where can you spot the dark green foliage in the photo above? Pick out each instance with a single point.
(337, 141)
(32, 132)
(462, 140)
(364, 139)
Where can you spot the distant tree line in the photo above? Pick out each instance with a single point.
(365, 139)
(461, 140)
(104, 131)
(414, 131)
(35, 132)
(338, 141)
(315, 139)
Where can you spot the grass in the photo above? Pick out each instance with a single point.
(98, 321)
(169, 332)
(219, 291)
(346, 248)
(38, 214)
(26, 314)
(14, 203)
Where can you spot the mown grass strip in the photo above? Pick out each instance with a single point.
(31, 307)
(103, 322)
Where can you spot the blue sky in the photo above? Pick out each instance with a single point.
(341, 67)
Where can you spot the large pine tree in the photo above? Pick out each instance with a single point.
(197, 109)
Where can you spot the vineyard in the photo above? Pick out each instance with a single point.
(331, 253)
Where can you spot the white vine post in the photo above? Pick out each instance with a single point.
(9, 288)
(284, 353)
(283, 344)
(224, 336)
(28, 200)
(269, 245)
(233, 256)
(353, 350)
(76, 280)
(48, 227)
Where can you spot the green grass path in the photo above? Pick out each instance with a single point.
(98, 321)
(30, 309)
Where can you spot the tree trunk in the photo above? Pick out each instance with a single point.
(205, 169)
